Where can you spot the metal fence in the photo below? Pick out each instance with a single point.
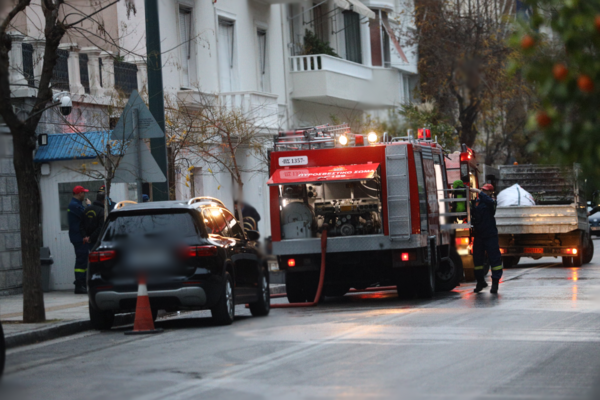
(60, 75)
(125, 77)
(84, 72)
(28, 64)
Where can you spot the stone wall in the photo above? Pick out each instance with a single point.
(11, 267)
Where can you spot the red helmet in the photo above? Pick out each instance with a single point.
(488, 186)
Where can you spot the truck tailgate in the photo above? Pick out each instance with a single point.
(540, 219)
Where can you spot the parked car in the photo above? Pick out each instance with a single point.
(195, 256)
(2, 350)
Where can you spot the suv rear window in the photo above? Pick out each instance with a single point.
(151, 225)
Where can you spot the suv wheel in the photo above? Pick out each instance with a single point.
(101, 320)
(263, 305)
(224, 312)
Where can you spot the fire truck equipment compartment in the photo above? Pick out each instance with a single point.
(295, 176)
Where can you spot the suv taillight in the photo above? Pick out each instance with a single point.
(201, 251)
(102, 255)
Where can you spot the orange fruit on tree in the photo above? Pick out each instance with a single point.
(585, 83)
(543, 119)
(560, 72)
(527, 42)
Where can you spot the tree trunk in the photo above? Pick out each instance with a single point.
(29, 205)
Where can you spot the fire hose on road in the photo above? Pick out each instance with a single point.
(322, 280)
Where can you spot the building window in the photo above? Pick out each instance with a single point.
(84, 72)
(406, 88)
(352, 36)
(27, 51)
(186, 49)
(227, 59)
(320, 22)
(60, 74)
(126, 77)
(65, 194)
(264, 80)
(380, 40)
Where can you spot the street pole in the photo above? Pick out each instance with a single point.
(138, 154)
(158, 147)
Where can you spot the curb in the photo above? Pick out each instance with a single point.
(47, 333)
(59, 330)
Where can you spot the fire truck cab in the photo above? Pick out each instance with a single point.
(384, 205)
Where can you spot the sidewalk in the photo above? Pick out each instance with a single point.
(66, 314)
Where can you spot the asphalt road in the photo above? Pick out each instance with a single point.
(538, 339)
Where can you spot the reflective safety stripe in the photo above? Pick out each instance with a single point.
(499, 267)
(478, 267)
(80, 270)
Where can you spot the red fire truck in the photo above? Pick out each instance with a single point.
(385, 205)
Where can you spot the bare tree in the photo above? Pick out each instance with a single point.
(463, 51)
(205, 129)
(60, 18)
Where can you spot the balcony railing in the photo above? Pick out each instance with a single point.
(323, 62)
(28, 64)
(126, 77)
(60, 75)
(259, 107)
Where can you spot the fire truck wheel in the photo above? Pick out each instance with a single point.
(509, 262)
(311, 284)
(450, 272)
(293, 287)
(566, 261)
(405, 283)
(425, 281)
(336, 290)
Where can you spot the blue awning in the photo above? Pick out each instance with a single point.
(73, 146)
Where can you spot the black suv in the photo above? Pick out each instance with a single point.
(194, 255)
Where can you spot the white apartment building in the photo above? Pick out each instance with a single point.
(252, 54)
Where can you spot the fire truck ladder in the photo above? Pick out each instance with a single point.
(314, 137)
(464, 216)
(398, 199)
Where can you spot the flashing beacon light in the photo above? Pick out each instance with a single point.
(427, 133)
(420, 136)
(372, 137)
(343, 140)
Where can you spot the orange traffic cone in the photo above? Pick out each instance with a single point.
(144, 323)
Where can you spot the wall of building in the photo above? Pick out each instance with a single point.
(11, 267)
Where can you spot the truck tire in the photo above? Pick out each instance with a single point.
(578, 259)
(588, 250)
(405, 283)
(311, 284)
(566, 262)
(450, 273)
(101, 320)
(337, 290)
(293, 287)
(425, 281)
(510, 261)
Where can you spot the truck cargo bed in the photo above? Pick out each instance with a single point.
(540, 219)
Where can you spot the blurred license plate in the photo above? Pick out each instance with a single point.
(149, 258)
(534, 250)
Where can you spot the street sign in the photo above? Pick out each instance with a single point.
(148, 128)
(137, 164)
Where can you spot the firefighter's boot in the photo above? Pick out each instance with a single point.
(495, 283)
(481, 284)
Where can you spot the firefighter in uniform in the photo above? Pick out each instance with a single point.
(94, 218)
(77, 236)
(485, 238)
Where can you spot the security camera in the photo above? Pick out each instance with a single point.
(66, 105)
